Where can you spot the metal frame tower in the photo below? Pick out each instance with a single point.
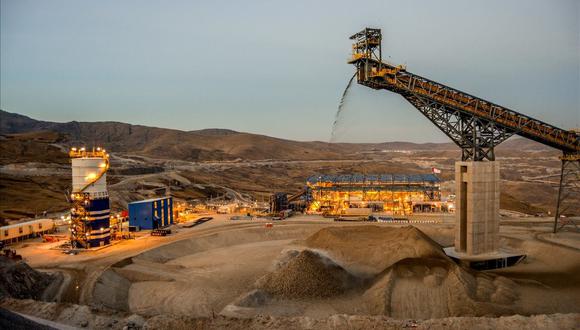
(477, 126)
(568, 190)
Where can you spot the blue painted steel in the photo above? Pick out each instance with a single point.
(99, 214)
(98, 205)
(151, 213)
(98, 222)
(97, 241)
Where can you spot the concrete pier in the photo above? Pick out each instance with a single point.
(477, 207)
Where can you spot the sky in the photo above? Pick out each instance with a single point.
(279, 67)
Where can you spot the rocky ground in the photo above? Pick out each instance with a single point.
(311, 273)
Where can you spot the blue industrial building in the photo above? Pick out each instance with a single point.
(151, 213)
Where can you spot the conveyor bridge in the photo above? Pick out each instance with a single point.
(476, 125)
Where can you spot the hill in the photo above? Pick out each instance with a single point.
(35, 169)
(212, 144)
(207, 144)
(36, 146)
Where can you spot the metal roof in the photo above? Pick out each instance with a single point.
(25, 223)
(373, 178)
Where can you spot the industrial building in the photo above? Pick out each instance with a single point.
(385, 193)
(151, 213)
(90, 213)
(278, 202)
(24, 230)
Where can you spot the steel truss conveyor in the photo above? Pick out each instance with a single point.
(477, 126)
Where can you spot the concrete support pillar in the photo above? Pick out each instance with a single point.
(477, 207)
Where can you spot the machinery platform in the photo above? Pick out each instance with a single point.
(494, 260)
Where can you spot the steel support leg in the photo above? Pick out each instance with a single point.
(557, 215)
(568, 204)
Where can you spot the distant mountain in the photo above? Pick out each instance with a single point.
(210, 144)
(11, 123)
(216, 131)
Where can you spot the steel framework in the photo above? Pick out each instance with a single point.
(477, 126)
(568, 191)
(428, 184)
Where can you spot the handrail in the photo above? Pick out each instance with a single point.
(394, 79)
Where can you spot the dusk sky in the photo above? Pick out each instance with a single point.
(279, 67)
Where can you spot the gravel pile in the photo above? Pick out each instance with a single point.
(370, 249)
(18, 280)
(308, 275)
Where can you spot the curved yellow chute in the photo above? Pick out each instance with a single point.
(100, 175)
(100, 153)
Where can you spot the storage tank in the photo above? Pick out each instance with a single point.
(86, 169)
(90, 225)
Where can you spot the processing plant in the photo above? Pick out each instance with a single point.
(386, 193)
(90, 212)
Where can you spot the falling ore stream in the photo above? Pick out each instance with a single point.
(339, 111)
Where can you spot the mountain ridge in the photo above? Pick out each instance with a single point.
(211, 143)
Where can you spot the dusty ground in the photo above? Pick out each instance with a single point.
(214, 275)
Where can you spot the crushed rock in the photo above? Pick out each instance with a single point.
(18, 280)
(307, 275)
(355, 322)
